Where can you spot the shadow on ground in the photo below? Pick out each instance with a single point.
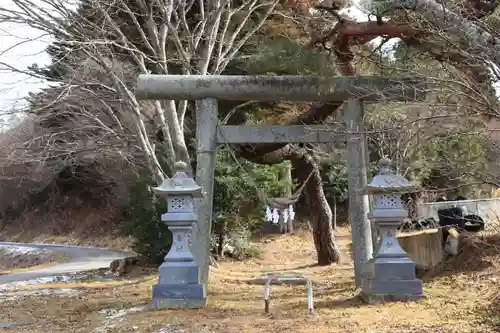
(343, 303)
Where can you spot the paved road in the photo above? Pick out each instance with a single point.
(81, 259)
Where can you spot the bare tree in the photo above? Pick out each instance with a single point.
(163, 37)
(460, 38)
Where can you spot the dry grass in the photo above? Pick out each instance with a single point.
(456, 302)
(70, 220)
(109, 240)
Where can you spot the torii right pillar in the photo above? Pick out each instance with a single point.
(391, 273)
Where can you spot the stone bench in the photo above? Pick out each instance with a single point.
(289, 278)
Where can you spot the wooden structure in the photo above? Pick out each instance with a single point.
(424, 247)
(353, 90)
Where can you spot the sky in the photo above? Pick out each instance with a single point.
(20, 47)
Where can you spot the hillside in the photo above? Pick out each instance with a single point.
(75, 201)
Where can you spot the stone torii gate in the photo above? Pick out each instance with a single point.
(351, 90)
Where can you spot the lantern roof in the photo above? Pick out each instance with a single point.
(388, 181)
(179, 184)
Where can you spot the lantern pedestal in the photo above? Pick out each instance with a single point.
(179, 277)
(390, 275)
(179, 283)
(175, 296)
(377, 291)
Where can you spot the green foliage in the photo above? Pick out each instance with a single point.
(461, 149)
(281, 56)
(457, 157)
(335, 183)
(143, 209)
(235, 192)
(237, 208)
(239, 239)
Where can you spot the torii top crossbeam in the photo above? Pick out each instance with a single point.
(274, 88)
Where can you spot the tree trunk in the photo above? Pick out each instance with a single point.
(321, 214)
(221, 230)
(334, 213)
(281, 223)
(286, 176)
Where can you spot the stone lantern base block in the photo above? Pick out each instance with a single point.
(178, 273)
(174, 296)
(377, 291)
(402, 268)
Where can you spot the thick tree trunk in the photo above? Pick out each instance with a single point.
(320, 213)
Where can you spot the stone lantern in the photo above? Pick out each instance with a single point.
(179, 277)
(390, 274)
